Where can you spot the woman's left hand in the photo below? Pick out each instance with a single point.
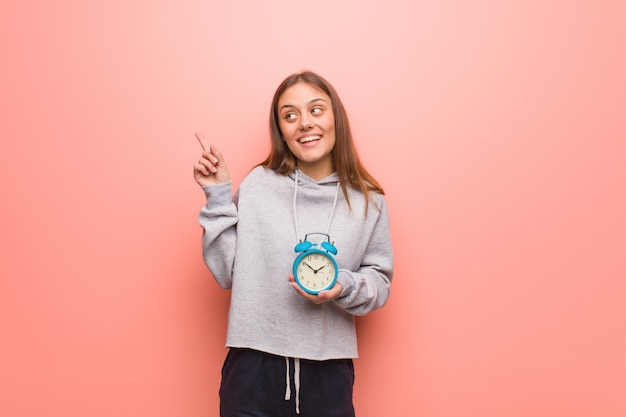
(322, 296)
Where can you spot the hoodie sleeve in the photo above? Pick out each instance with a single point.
(367, 288)
(218, 218)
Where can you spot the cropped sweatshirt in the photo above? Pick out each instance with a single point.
(248, 245)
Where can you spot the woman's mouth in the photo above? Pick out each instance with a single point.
(311, 138)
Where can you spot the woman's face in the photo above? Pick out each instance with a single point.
(308, 125)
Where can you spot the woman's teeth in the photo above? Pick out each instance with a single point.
(310, 138)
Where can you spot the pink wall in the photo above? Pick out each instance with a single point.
(498, 131)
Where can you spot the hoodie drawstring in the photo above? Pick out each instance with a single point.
(295, 211)
(296, 381)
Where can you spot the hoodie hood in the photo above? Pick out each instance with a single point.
(303, 179)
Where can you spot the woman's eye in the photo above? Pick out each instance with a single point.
(290, 116)
(316, 110)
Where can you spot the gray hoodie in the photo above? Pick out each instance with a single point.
(248, 245)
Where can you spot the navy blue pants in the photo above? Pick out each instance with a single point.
(254, 384)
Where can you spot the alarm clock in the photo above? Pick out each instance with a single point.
(315, 269)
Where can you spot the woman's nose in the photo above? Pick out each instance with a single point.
(305, 122)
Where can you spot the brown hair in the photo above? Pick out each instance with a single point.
(345, 159)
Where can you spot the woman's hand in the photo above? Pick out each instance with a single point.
(211, 168)
(322, 296)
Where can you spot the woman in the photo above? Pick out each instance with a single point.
(291, 350)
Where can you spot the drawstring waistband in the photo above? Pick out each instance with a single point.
(296, 381)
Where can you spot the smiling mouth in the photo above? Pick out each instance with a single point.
(311, 138)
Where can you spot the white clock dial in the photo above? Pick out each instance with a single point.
(315, 271)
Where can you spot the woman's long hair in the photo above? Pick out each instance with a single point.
(345, 159)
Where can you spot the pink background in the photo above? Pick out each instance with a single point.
(498, 130)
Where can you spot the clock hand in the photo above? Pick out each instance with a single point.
(309, 267)
(319, 268)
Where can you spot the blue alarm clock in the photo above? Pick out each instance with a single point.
(315, 269)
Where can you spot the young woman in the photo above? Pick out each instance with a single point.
(291, 350)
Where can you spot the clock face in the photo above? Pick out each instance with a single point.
(315, 271)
